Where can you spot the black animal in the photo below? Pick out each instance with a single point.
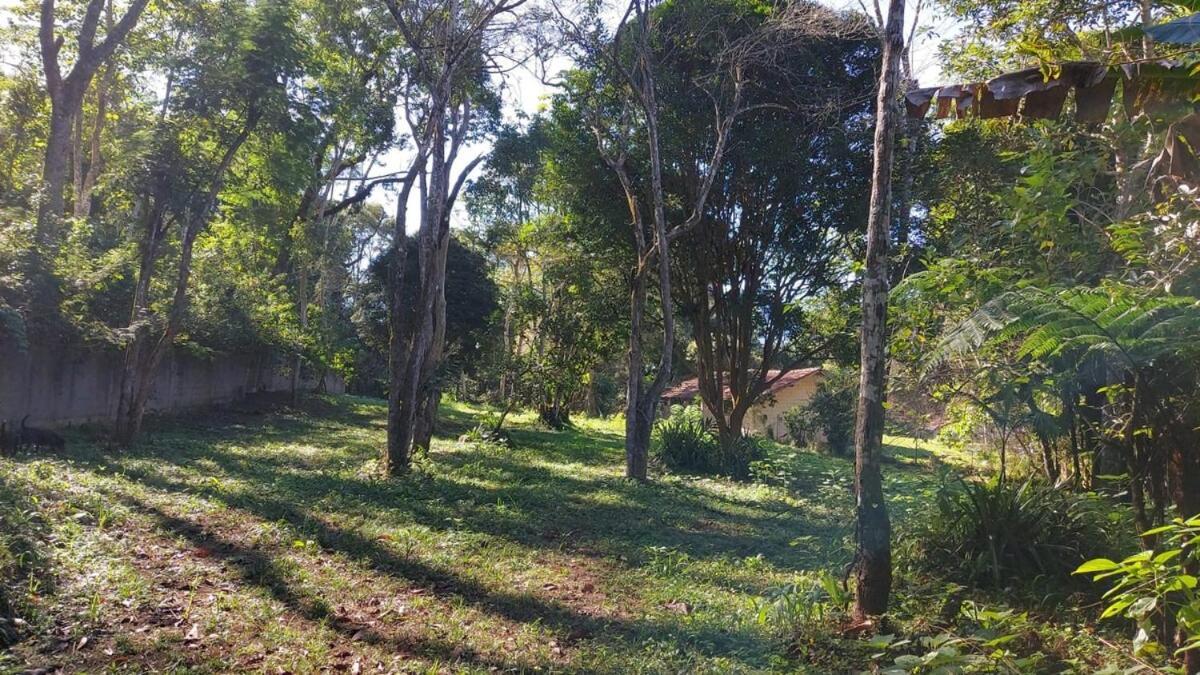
(8, 439)
(33, 437)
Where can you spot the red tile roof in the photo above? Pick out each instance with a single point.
(689, 389)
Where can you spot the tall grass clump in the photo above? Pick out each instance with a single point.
(685, 443)
(1000, 532)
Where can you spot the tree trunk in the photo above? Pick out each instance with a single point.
(395, 456)
(137, 378)
(637, 441)
(1049, 461)
(146, 358)
(731, 431)
(132, 364)
(1069, 406)
(637, 428)
(302, 309)
(416, 366)
(873, 555)
(87, 182)
(427, 419)
(592, 403)
(430, 393)
(56, 169)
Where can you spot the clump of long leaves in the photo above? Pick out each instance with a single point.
(1001, 532)
(809, 598)
(685, 442)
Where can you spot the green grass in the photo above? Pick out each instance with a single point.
(231, 541)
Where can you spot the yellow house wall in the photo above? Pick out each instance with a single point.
(766, 418)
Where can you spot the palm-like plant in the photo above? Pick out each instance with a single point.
(1128, 328)
(1147, 344)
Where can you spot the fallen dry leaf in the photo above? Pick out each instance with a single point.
(679, 607)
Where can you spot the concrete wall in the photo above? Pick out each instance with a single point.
(56, 386)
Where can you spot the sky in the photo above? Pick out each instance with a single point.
(525, 93)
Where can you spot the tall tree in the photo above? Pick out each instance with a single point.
(620, 94)
(450, 45)
(873, 551)
(775, 235)
(237, 76)
(66, 94)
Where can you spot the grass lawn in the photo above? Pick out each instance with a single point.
(234, 541)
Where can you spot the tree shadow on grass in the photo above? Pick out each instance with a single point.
(542, 508)
(257, 568)
(534, 496)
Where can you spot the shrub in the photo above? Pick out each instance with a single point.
(685, 442)
(830, 411)
(1157, 589)
(997, 532)
(811, 597)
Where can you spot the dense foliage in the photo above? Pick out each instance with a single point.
(826, 419)
(686, 442)
(1005, 532)
(1157, 590)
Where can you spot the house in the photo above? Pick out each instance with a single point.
(765, 417)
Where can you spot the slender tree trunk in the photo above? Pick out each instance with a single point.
(395, 458)
(87, 182)
(637, 444)
(152, 238)
(592, 403)
(142, 360)
(427, 419)
(430, 392)
(302, 310)
(1069, 408)
(415, 368)
(637, 427)
(873, 555)
(1134, 465)
(1049, 461)
(146, 358)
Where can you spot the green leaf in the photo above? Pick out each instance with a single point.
(1143, 606)
(1116, 608)
(1097, 565)
(1167, 555)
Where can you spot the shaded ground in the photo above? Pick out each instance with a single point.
(268, 543)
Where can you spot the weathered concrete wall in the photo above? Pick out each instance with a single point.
(56, 386)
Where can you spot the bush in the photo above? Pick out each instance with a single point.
(1157, 590)
(830, 412)
(684, 442)
(998, 532)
